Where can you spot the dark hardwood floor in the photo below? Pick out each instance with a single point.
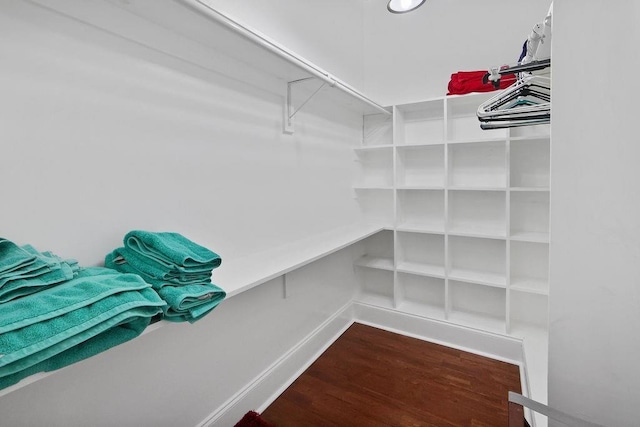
(371, 377)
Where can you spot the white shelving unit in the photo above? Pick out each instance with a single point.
(470, 208)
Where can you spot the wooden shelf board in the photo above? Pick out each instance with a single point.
(478, 277)
(375, 262)
(421, 269)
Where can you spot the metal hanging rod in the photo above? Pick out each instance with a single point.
(203, 8)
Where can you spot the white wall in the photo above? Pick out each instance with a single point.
(328, 33)
(410, 57)
(595, 213)
(101, 135)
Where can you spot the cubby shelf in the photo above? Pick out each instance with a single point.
(375, 262)
(470, 209)
(429, 270)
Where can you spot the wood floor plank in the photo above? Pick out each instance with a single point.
(372, 377)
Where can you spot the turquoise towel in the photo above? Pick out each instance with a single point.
(171, 249)
(40, 332)
(190, 303)
(116, 261)
(43, 270)
(23, 287)
(156, 270)
(13, 257)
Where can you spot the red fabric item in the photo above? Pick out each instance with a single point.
(471, 81)
(253, 419)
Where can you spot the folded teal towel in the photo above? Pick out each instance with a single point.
(43, 270)
(41, 331)
(23, 287)
(13, 257)
(150, 268)
(171, 249)
(190, 303)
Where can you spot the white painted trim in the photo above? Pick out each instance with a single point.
(476, 341)
(269, 384)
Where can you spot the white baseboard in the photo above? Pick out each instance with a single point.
(483, 343)
(265, 388)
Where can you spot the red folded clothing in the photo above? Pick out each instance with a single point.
(471, 81)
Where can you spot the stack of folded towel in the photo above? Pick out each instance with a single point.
(78, 318)
(24, 270)
(177, 268)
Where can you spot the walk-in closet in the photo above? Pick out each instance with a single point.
(340, 212)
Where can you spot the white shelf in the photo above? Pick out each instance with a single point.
(383, 301)
(525, 189)
(372, 187)
(423, 296)
(530, 163)
(479, 277)
(374, 148)
(479, 232)
(463, 196)
(530, 236)
(529, 213)
(481, 307)
(530, 267)
(420, 253)
(427, 228)
(477, 260)
(241, 274)
(478, 321)
(529, 309)
(421, 209)
(377, 131)
(420, 187)
(421, 123)
(421, 166)
(530, 285)
(375, 168)
(432, 311)
(480, 165)
(477, 140)
(428, 270)
(477, 213)
(375, 262)
(376, 287)
(477, 188)
(462, 121)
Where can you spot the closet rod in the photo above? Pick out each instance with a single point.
(208, 11)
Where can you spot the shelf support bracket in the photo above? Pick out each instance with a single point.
(289, 109)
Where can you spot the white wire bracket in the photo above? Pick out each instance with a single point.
(289, 109)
